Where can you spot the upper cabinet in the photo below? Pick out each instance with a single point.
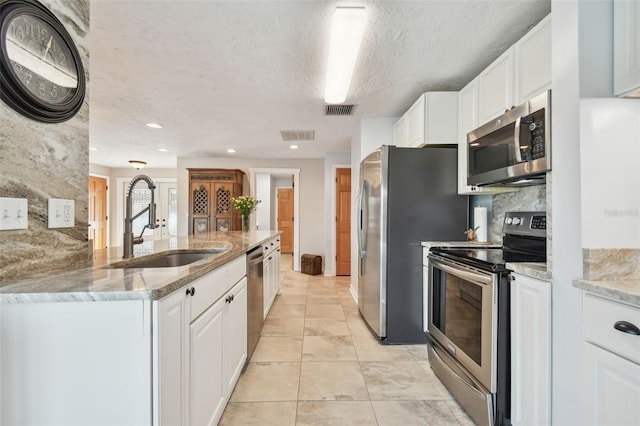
(432, 119)
(626, 48)
(532, 59)
(495, 88)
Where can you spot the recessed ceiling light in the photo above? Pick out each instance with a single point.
(154, 125)
(94, 149)
(163, 150)
(231, 151)
(294, 146)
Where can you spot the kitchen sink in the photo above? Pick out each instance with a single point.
(168, 260)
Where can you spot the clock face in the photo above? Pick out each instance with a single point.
(40, 59)
(41, 73)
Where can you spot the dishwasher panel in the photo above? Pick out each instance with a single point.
(255, 296)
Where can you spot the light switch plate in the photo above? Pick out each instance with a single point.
(61, 213)
(14, 213)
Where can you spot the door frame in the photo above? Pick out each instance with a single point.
(334, 206)
(108, 205)
(120, 200)
(296, 204)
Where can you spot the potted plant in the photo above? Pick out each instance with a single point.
(244, 205)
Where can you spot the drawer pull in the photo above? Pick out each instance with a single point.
(627, 327)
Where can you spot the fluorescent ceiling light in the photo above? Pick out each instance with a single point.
(154, 125)
(94, 149)
(347, 27)
(163, 150)
(293, 146)
(231, 151)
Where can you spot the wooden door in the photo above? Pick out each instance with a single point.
(98, 212)
(343, 221)
(285, 219)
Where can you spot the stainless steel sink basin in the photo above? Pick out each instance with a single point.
(168, 260)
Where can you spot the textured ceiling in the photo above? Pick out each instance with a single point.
(233, 74)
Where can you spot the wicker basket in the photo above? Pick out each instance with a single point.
(311, 264)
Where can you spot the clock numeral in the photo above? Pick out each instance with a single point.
(28, 76)
(42, 89)
(63, 59)
(54, 91)
(43, 33)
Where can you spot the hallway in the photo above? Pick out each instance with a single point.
(317, 364)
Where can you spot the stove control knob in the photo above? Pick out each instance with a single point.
(507, 221)
(516, 221)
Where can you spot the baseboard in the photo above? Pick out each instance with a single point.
(329, 274)
(354, 294)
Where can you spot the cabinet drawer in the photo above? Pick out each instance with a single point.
(237, 269)
(207, 290)
(600, 315)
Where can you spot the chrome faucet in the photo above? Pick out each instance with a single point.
(129, 239)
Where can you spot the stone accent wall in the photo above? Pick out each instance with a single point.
(39, 161)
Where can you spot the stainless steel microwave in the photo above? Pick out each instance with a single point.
(513, 149)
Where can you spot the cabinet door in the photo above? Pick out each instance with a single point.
(170, 366)
(201, 200)
(532, 55)
(467, 121)
(223, 208)
(207, 390)
(267, 284)
(400, 132)
(415, 123)
(611, 387)
(495, 88)
(530, 351)
(235, 333)
(626, 48)
(440, 118)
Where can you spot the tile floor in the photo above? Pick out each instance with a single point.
(317, 364)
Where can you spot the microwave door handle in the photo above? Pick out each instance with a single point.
(516, 140)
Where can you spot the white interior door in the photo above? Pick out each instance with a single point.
(166, 200)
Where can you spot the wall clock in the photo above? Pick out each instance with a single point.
(41, 73)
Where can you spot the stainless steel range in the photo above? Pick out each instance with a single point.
(469, 316)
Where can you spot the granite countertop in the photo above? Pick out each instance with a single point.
(530, 269)
(623, 290)
(100, 283)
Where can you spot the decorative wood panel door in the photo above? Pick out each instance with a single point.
(343, 221)
(285, 219)
(98, 212)
(210, 193)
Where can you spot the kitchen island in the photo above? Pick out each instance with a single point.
(114, 346)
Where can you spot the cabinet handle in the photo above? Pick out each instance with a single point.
(189, 292)
(229, 299)
(627, 327)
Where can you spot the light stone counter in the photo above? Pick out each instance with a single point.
(624, 291)
(613, 273)
(100, 283)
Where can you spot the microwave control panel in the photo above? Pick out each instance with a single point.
(534, 126)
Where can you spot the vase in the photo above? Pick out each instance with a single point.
(245, 223)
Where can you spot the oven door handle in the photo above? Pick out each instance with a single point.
(468, 275)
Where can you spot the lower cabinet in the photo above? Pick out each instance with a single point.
(611, 361)
(199, 355)
(530, 351)
(271, 273)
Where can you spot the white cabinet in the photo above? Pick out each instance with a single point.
(400, 132)
(532, 56)
(611, 362)
(495, 88)
(530, 351)
(432, 119)
(201, 346)
(626, 48)
(271, 273)
(207, 389)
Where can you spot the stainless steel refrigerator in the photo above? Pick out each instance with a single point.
(407, 195)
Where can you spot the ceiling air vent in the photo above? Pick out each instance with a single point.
(298, 135)
(339, 109)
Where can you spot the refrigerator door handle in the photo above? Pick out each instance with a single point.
(362, 235)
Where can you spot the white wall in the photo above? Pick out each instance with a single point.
(312, 211)
(263, 193)
(369, 134)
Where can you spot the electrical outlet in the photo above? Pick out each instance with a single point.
(61, 213)
(14, 213)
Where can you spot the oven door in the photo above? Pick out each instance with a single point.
(463, 314)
